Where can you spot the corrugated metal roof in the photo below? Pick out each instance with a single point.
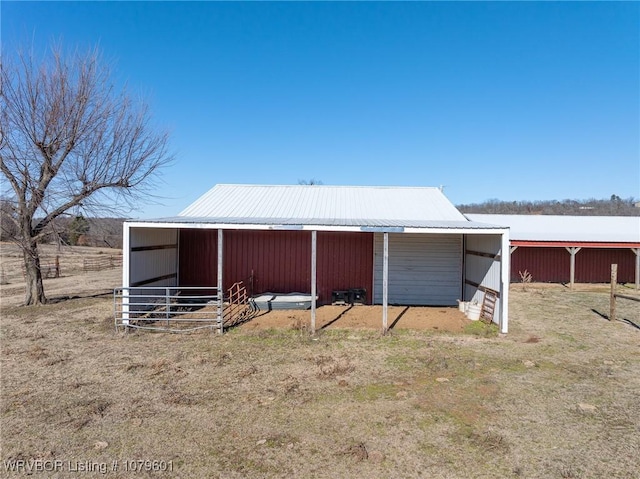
(375, 206)
(316, 222)
(619, 229)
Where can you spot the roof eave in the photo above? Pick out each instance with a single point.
(574, 244)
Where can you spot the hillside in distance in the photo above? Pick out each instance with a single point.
(614, 206)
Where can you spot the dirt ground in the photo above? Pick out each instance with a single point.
(74, 280)
(366, 317)
(557, 397)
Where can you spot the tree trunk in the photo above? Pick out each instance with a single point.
(34, 290)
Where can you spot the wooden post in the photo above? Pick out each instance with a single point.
(57, 266)
(612, 298)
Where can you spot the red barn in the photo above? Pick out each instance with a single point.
(392, 245)
(568, 249)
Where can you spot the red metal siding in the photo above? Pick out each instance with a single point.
(198, 256)
(593, 265)
(278, 261)
(344, 261)
(545, 264)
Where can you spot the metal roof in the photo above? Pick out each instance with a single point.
(611, 229)
(363, 206)
(289, 223)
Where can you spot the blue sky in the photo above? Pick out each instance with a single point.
(506, 100)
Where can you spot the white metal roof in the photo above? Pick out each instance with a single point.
(363, 206)
(612, 229)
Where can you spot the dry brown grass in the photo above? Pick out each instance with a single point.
(557, 397)
(71, 268)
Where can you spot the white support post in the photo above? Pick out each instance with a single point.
(126, 272)
(220, 291)
(314, 242)
(385, 282)
(637, 253)
(177, 258)
(572, 272)
(505, 280)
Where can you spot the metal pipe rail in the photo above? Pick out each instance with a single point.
(173, 309)
(238, 305)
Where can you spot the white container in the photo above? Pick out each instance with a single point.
(462, 306)
(473, 312)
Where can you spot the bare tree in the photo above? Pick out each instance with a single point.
(311, 182)
(69, 140)
(8, 228)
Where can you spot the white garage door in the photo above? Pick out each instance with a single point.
(424, 269)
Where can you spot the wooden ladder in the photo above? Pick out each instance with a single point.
(488, 305)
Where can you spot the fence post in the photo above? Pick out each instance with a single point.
(166, 295)
(57, 266)
(612, 298)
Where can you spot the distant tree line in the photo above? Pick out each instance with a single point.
(614, 206)
(107, 232)
(68, 230)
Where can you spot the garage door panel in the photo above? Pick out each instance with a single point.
(424, 269)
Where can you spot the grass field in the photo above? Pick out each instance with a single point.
(558, 397)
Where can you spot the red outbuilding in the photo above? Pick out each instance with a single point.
(318, 243)
(568, 249)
